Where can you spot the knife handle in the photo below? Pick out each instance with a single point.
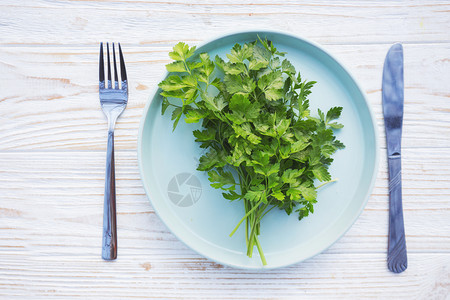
(397, 259)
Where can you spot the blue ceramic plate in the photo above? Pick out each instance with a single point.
(198, 214)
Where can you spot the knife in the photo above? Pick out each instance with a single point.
(392, 93)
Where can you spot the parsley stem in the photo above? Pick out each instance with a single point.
(261, 253)
(244, 217)
(186, 66)
(255, 230)
(330, 181)
(175, 105)
(254, 95)
(246, 204)
(260, 218)
(244, 177)
(252, 236)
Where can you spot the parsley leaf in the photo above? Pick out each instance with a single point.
(221, 179)
(271, 85)
(263, 145)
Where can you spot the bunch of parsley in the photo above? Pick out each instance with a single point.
(263, 146)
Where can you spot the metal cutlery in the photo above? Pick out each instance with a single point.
(113, 100)
(392, 93)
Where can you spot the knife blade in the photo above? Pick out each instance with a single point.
(392, 93)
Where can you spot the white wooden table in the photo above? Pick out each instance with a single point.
(53, 140)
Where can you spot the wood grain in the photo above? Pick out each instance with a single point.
(155, 22)
(65, 192)
(53, 139)
(169, 276)
(54, 104)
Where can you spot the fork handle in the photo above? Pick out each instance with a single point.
(109, 248)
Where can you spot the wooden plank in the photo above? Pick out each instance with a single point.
(150, 22)
(49, 96)
(52, 204)
(152, 275)
(53, 138)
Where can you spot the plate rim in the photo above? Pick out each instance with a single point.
(374, 174)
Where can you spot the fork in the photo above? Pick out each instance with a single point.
(113, 101)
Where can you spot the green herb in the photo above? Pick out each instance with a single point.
(263, 146)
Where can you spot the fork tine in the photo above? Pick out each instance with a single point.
(101, 68)
(109, 66)
(116, 80)
(123, 71)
